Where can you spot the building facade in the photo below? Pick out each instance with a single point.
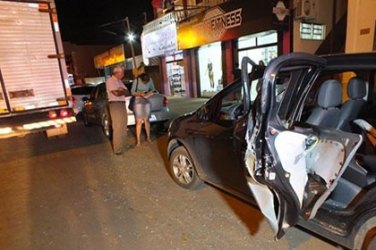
(200, 43)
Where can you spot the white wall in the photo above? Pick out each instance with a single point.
(323, 16)
(361, 17)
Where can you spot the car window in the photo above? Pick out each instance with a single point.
(94, 93)
(282, 82)
(82, 90)
(231, 105)
(102, 93)
(291, 93)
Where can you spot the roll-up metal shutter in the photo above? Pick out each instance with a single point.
(31, 80)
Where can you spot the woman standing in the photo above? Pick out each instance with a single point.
(142, 90)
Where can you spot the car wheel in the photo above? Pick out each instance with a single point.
(85, 119)
(107, 128)
(182, 169)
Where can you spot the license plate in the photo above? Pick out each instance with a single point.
(153, 118)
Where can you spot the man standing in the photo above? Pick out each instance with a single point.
(116, 92)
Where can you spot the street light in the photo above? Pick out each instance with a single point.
(131, 37)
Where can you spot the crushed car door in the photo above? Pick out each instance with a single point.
(293, 167)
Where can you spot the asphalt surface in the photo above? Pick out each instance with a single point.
(73, 193)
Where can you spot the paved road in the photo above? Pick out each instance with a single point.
(73, 193)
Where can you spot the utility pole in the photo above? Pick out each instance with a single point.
(130, 40)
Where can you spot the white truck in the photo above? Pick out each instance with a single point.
(34, 89)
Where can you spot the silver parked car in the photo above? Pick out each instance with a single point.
(80, 92)
(95, 110)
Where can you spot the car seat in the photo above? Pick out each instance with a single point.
(327, 113)
(356, 90)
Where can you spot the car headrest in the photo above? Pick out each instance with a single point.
(356, 89)
(330, 94)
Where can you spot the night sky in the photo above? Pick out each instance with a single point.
(81, 20)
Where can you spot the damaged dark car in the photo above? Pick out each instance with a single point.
(297, 140)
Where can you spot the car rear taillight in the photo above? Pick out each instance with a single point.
(52, 115)
(73, 99)
(165, 101)
(64, 113)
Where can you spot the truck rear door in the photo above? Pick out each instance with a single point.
(30, 71)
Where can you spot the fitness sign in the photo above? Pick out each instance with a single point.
(216, 22)
(227, 21)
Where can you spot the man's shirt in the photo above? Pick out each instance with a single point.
(112, 84)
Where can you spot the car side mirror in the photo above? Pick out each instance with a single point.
(203, 113)
(85, 99)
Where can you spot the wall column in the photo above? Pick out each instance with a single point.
(164, 80)
(229, 62)
(361, 20)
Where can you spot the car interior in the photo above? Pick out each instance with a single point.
(345, 100)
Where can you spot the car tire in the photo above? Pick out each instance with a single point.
(182, 169)
(370, 240)
(106, 126)
(85, 119)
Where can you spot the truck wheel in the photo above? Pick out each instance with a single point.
(182, 169)
(107, 128)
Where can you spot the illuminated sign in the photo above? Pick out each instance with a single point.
(159, 37)
(224, 22)
(159, 42)
(311, 31)
(113, 56)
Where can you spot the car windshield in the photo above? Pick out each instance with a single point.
(82, 90)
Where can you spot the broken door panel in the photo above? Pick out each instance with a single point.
(293, 169)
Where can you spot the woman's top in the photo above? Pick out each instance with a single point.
(139, 86)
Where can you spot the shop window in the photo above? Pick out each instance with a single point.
(267, 39)
(264, 54)
(210, 69)
(259, 39)
(246, 42)
(260, 47)
(175, 75)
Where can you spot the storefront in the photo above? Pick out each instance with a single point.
(159, 40)
(175, 73)
(217, 39)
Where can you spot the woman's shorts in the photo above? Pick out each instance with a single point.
(142, 108)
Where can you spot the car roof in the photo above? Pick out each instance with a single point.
(351, 61)
(83, 86)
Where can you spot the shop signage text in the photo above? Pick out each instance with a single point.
(224, 22)
(110, 57)
(227, 20)
(159, 42)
